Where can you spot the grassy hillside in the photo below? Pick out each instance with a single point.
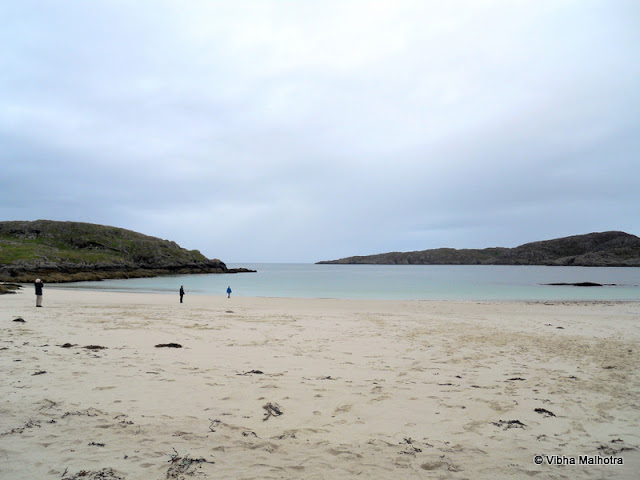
(610, 249)
(71, 250)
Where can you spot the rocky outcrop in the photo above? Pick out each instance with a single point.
(9, 288)
(74, 251)
(603, 249)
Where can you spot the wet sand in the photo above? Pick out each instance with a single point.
(315, 389)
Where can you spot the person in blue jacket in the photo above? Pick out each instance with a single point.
(228, 292)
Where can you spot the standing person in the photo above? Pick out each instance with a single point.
(181, 292)
(38, 284)
(228, 292)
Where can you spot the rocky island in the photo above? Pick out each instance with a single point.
(73, 251)
(601, 249)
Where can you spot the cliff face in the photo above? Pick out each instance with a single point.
(604, 249)
(72, 251)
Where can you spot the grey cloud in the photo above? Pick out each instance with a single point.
(300, 131)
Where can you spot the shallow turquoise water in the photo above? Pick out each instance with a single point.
(409, 282)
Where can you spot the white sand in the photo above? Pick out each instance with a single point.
(367, 389)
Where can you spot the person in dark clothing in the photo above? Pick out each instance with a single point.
(181, 293)
(228, 292)
(38, 284)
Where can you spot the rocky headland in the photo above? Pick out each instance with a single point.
(72, 251)
(601, 249)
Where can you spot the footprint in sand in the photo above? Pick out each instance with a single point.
(440, 465)
(380, 398)
(343, 408)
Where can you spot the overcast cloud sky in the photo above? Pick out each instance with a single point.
(298, 131)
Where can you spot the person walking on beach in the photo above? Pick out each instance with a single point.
(181, 292)
(229, 292)
(38, 284)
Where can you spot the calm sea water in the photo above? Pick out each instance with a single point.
(405, 282)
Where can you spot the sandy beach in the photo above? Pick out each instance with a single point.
(267, 388)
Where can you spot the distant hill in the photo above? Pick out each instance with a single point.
(604, 249)
(74, 251)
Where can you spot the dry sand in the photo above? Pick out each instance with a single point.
(267, 388)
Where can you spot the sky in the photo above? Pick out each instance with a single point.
(300, 131)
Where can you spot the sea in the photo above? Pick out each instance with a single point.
(394, 282)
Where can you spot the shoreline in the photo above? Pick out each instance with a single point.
(368, 388)
(211, 296)
(27, 287)
(170, 297)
